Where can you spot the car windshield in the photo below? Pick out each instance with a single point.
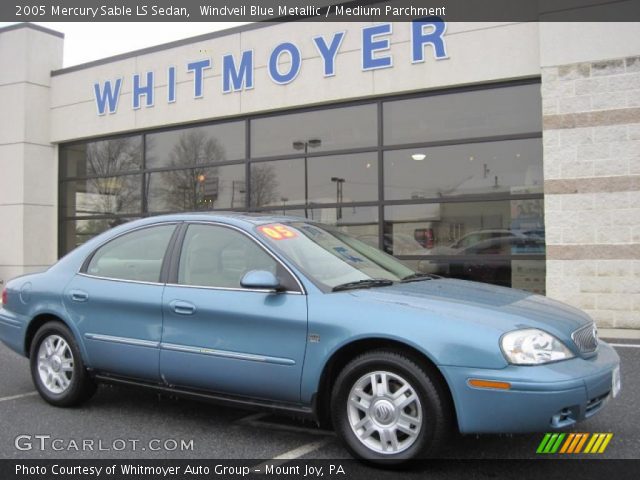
(333, 259)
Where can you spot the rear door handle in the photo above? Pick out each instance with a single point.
(79, 295)
(182, 308)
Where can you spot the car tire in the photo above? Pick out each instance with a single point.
(407, 416)
(57, 369)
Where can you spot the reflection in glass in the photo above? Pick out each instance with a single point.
(279, 183)
(331, 179)
(343, 178)
(462, 115)
(99, 196)
(360, 222)
(74, 233)
(476, 168)
(322, 130)
(513, 227)
(193, 189)
(103, 157)
(526, 275)
(195, 146)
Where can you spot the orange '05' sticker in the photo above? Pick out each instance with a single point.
(277, 231)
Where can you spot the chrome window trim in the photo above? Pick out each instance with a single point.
(124, 280)
(254, 240)
(235, 289)
(122, 340)
(227, 354)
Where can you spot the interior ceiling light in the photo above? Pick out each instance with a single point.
(418, 156)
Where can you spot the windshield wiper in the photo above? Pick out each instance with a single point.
(417, 277)
(368, 283)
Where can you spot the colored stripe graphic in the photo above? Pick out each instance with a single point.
(543, 443)
(567, 443)
(573, 443)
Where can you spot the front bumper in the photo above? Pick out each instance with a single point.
(541, 397)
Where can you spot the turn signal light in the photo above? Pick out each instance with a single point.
(476, 382)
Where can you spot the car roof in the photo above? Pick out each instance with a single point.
(246, 218)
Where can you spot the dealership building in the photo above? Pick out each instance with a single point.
(507, 153)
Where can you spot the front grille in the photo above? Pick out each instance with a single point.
(586, 338)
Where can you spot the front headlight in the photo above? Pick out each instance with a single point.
(531, 346)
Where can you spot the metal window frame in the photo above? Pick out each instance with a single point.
(380, 148)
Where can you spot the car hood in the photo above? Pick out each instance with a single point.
(496, 307)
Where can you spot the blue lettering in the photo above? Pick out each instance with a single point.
(329, 52)
(370, 46)
(139, 90)
(107, 96)
(434, 38)
(234, 79)
(294, 67)
(198, 69)
(171, 85)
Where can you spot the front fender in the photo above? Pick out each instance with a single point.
(336, 320)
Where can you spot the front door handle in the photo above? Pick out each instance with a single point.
(79, 295)
(182, 308)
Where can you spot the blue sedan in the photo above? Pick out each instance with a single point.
(287, 314)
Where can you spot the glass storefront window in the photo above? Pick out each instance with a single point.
(277, 183)
(463, 115)
(509, 227)
(330, 179)
(468, 207)
(317, 131)
(196, 146)
(101, 196)
(194, 189)
(103, 157)
(361, 222)
(475, 168)
(74, 233)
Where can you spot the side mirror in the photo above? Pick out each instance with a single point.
(260, 280)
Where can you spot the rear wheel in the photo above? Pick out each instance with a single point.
(387, 408)
(57, 369)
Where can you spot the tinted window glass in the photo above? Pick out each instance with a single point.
(103, 157)
(219, 257)
(101, 195)
(134, 256)
(481, 113)
(282, 182)
(510, 227)
(317, 131)
(196, 146)
(197, 189)
(474, 168)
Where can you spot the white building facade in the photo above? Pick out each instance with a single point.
(507, 153)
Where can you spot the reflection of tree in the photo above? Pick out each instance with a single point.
(264, 185)
(112, 194)
(193, 188)
(110, 157)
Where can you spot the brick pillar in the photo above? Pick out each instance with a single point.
(591, 132)
(28, 161)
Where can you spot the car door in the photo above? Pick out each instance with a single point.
(115, 301)
(221, 337)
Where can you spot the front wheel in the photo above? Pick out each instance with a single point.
(386, 408)
(56, 367)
